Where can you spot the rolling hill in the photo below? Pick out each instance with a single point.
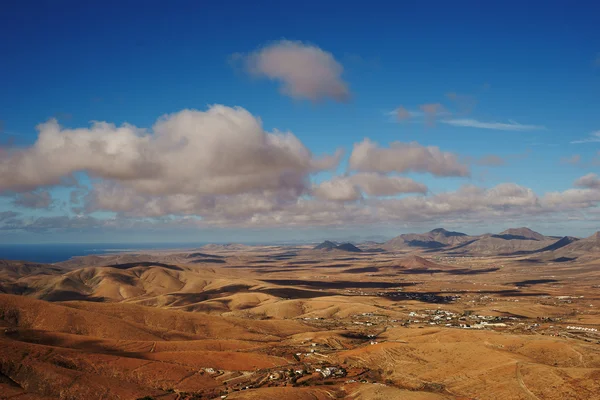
(435, 239)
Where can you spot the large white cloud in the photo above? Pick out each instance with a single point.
(304, 71)
(221, 168)
(367, 156)
(222, 151)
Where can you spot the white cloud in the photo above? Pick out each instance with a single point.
(374, 184)
(305, 71)
(501, 126)
(220, 168)
(222, 151)
(593, 138)
(571, 199)
(337, 189)
(351, 188)
(590, 181)
(469, 204)
(367, 156)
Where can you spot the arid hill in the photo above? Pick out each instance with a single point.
(274, 322)
(586, 246)
(328, 245)
(415, 261)
(435, 239)
(514, 240)
(490, 245)
(560, 243)
(522, 234)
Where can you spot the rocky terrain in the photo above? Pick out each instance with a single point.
(512, 315)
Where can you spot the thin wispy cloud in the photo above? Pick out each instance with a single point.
(594, 137)
(499, 126)
(401, 113)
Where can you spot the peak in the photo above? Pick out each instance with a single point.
(523, 232)
(325, 245)
(521, 229)
(442, 231)
(348, 247)
(438, 230)
(595, 236)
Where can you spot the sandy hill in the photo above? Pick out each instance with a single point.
(414, 261)
(435, 239)
(84, 350)
(134, 322)
(157, 284)
(16, 269)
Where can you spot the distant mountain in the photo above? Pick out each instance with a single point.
(440, 240)
(565, 241)
(348, 247)
(326, 245)
(560, 243)
(590, 244)
(435, 239)
(228, 246)
(504, 244)
(444, 233)
(521, 234)
(329, 245)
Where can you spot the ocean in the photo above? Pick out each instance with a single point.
(51, 253)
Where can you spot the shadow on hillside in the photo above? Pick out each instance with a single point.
(338, 284)
(292, 293)
(208, 260)
(144, 264)
(530, 282)
(462, 271)
(361, 270)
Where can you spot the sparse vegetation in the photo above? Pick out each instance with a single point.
(314, 329)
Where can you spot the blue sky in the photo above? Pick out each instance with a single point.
(524, 77)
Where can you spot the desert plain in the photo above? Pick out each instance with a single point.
(439, 315)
